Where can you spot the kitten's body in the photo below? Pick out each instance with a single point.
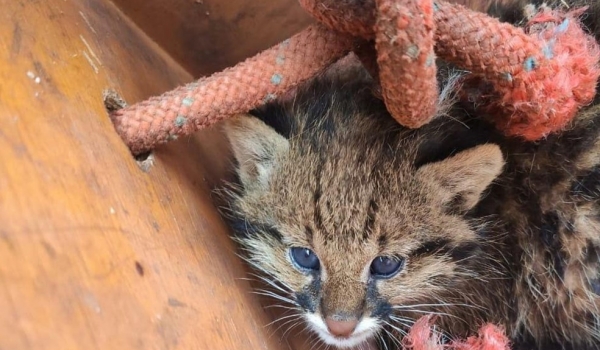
(509, 237)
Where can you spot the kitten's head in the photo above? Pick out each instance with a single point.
(349, 222)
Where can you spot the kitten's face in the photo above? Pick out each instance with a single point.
(355, 239)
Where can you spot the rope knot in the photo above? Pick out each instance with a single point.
(556, 79)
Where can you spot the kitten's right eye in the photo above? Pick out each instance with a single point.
(305, 258)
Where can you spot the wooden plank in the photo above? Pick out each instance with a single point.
(97, 254)
(208, 35)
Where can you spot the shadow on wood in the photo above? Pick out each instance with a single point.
(208, 35)
(97, 254)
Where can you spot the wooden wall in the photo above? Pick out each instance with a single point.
(96, 253)
(208, 35)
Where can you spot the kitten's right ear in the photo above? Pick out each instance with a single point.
(256, 147)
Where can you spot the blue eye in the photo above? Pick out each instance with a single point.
(304, 258)
(386, 266)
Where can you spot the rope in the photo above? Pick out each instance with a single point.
(235, 90)
(540, 75)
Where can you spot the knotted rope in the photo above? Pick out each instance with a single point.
(539, 75)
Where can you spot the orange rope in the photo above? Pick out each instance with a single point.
(235, 90)
(407, 70)
(540, 77)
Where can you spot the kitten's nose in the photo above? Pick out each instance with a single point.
(341, 328)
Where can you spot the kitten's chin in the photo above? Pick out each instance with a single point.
(365, 330)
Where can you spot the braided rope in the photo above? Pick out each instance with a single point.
(540, 78)
(541, 75)
(235, 90)
(407, 69)
(346, 16)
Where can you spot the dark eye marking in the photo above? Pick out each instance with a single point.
(305, 301)
(438, 246)
(384, 267)
(309, 231)
(308, 297)
(318, 218)
(246, 228)
(382, 309)
(444, 246)
(464, 250)
(371, 216)
(304, 259)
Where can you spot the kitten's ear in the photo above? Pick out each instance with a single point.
(256, 147)
(464, 176)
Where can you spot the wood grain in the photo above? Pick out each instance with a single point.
(97, 254)
(208, 35)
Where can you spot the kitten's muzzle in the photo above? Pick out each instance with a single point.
(341, 328)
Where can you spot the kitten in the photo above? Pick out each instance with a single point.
(365, 226)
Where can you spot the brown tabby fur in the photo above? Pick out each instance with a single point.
(492, 229)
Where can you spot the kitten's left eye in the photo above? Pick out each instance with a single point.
(305, 258)
(386, 266)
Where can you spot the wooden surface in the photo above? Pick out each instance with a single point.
(205, 36)
(209, 35)
(97, 254)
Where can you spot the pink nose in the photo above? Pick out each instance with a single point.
(341, 328)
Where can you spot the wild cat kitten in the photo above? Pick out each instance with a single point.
(365, 226)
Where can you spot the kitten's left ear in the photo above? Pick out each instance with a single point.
(463, 177)
(256, 147)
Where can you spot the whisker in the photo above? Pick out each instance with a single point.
(397, 342)
(275, 296)
(293, 321)
(295, 324)
(430, 312)
(283, 318)
(383, 342)
(282, 307)
(400, 330)
(275, 284)
(314, 340)
(398, 318)
(403, 322)
(400, 307)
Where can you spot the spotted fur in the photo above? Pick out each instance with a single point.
(489, 228)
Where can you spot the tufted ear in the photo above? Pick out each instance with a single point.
(256, 147)
(463, 177)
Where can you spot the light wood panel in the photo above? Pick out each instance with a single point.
(97, 254)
